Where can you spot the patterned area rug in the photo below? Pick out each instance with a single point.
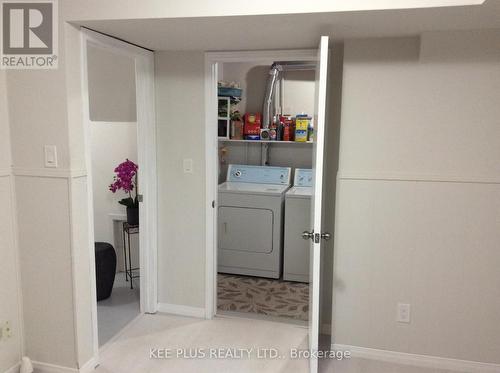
(264, 296)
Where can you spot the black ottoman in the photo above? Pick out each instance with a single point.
(105, 269)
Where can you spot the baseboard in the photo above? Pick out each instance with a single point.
(177, 309)
(89, 366)
(424, 361)
(14, 368)
(40, 367)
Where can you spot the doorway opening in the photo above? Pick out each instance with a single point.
(247, 217)
(120, 149)
(113, 143)
(263, 175)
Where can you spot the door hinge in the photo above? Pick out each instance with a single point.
(213, 204)
(140, 198)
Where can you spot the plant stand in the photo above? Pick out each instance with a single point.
(130, 273)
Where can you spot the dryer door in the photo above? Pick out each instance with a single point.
(246, 229)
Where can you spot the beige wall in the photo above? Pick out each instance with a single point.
(111, 85)
(181, 219)
(10, 295)
(418, 204)
(46, 108)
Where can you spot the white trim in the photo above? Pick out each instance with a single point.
(211, 154)
(40, 367)
(5, 172)
(270, 55)
(400, 176)
(104, 123)
(14, 368)
(112, 218)
(90, 198)
(60, 173)
(211, 151)
(146, 146)
(89, 366)
(424, 361)
(146, 151)
(178, 309)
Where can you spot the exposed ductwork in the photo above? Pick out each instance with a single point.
(275, 76)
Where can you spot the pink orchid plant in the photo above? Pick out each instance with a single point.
(126, 180)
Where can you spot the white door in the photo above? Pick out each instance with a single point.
(316, 235)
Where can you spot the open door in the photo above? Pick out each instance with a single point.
(316, 235)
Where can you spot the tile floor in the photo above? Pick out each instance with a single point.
(114, 313)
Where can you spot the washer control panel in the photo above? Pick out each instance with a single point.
(259, 174)
(303, 177)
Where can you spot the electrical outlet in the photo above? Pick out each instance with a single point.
(5, 330)
(403, 313)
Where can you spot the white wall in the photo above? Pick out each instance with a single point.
(180, 78)
(111, 85)
(10, 306)
(111, 144)
(418, 203)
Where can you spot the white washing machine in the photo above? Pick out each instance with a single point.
(297, 220)
(250, 220)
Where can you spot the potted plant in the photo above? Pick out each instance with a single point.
(126, 180)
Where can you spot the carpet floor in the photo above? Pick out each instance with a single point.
(263, 296)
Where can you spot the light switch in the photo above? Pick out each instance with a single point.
(187, 165)
(50, 156)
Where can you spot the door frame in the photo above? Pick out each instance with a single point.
(212, 61)
(146, 149)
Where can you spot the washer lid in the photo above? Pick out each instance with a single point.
(252, 188)
(299, 192)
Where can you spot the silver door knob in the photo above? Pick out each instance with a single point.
(326, 236)
(306, 235)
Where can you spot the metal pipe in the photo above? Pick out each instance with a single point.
(276, 75)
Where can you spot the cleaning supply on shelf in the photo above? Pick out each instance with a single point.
(236, 130)
(302, 122)
(287, 124)
(310, 131)
(252, 126)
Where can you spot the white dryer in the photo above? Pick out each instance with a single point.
(297, 220)
(250, 220)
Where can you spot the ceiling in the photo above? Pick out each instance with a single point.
(294, 30)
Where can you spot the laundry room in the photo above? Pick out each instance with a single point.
(265, 136)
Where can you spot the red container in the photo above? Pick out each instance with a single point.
(287, 128)
(252, 124)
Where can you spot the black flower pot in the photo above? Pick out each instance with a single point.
(133, 215)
